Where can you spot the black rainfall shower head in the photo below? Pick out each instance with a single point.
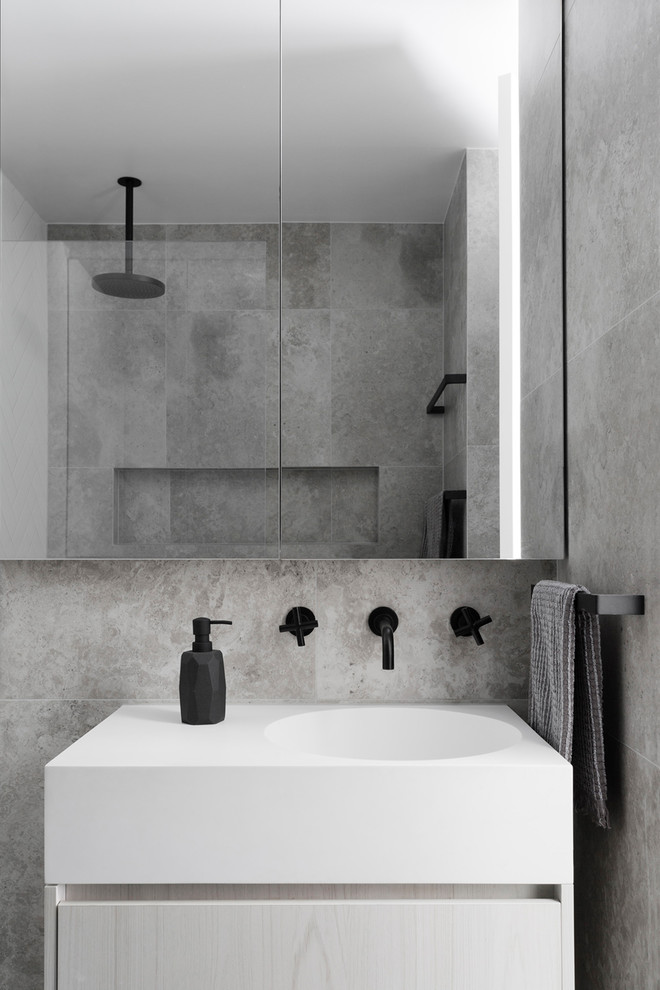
(126, 284)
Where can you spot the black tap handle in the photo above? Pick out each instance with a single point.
(466, 621)
(300, 622)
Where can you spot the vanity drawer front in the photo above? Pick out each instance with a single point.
(329, 945)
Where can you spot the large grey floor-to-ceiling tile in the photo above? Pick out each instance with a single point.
(31, 734)
(540, 29)
(541, 230)
(455, 277)
(612, 151)
(306, 505)
(306, 276)
(306, 381)
(385, 368)
(430, 664)
(90, 503)
(116, 389)
(216, 388)
(614, 518)
(616, 944)
(141, 623)
(483, 501)
(386, 266)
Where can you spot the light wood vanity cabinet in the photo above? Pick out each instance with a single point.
(357, 938)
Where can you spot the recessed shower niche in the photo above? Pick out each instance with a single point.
(273, 402)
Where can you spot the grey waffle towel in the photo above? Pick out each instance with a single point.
(566, 690)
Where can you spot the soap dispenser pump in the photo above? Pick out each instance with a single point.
(202, 687)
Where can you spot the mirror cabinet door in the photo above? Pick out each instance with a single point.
(355, 324)
(131, 426)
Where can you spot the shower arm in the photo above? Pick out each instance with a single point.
(129, 184)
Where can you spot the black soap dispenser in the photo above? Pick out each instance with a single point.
(202, 687)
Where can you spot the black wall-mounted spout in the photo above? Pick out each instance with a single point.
(383, 622)
(466, 621)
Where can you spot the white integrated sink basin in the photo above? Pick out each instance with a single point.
(392, 733)
(310, 794)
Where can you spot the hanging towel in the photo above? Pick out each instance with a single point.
(443, 526)
(566, 690)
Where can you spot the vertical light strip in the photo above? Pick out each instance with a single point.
(279, 290)
(510, 478)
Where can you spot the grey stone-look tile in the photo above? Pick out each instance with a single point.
(142, 506)
(57, 495)
(116, 389)
(542, 470)
(386, 266)
(355, 498)
(454, 421)
(541, 224)
(57, 389)
(306, 388)
(236, 281)
(614, 519)
(116, 629)
(90, 512)
(104, 231)
(612, 151)
(384, 371)
(218, 506)
(31, 734)
(306, 505)
(483, 501)
(306, 265)
(616, 943)
(216, 388)
(431, 664)
(456, 472)
(482, 296)
(402, 494)
(539, 37)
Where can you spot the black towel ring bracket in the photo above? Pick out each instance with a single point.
(609, 604)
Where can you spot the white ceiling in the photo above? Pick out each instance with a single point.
(378, 99)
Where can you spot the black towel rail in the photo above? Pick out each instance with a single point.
(447, 380)
(609, 604)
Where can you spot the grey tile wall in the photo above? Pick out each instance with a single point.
(613, 307)
(471, 419)
(105, 632)
(361, 356)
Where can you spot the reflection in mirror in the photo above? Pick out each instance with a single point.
(140, 427)
(151, 428)
(391, 277)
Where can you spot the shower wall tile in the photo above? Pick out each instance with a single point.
(483, 322)
(90, 512)
(355, 505)
(142, 507)
(306, 505)
(613, 144)
(216, 507)
(105, 231)
(381, 387)
(386, 266)
(430, 664)
(306, 265)
(483, 501)
(456, 472)
(57, 496)
(306, 388)
(116, 418)
(541, 230)
(403, 492)
(216, 388)
(455, 276)
(235, 281)
(540, 25)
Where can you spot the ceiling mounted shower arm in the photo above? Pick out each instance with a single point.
(129, 184)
